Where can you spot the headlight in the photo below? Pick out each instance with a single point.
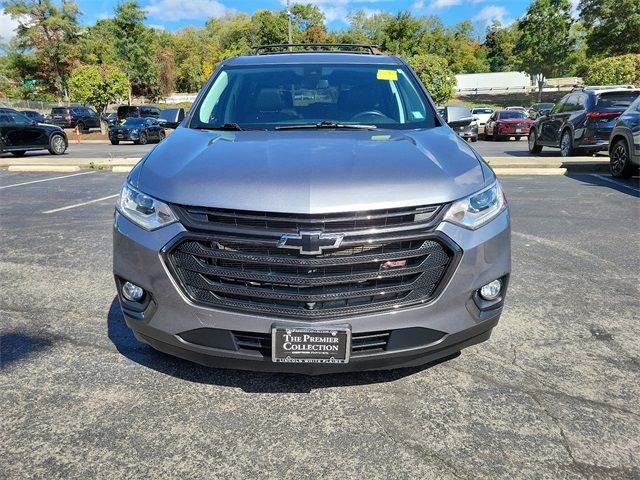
(144, 210)
(476, 210)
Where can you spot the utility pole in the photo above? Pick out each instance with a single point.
(289, 17)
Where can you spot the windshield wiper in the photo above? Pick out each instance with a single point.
(226, 126)
(326, 124)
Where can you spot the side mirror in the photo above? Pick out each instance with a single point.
(544, 112)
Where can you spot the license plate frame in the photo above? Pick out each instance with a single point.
(304, 338)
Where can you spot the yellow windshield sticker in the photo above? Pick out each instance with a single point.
(387, 75)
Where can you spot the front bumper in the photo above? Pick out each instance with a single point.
(451, 321)
(126, 136)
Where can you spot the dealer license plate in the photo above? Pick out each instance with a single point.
(518, 130)
(311, 345)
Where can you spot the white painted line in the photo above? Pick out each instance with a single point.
(69, 207)
(44, 180)
(44, 168)
(529, 171)
(616, 182)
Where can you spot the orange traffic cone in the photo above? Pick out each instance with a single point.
(77, 134)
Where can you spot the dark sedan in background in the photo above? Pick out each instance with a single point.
(33, 115)
(137, 130)
(582, 120)
(624, 145)
(19, 134)
(504, 124)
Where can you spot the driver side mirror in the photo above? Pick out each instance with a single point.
(544, 112)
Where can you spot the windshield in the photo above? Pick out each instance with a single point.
(134, 121)
(512, 114)
(273, 96)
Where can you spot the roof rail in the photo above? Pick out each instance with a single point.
(601, 87)
(316, 48)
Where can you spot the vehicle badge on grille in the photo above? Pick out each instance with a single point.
(310, 243)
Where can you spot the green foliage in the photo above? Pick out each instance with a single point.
(435, 74)
(544, 43)
(98, 85)
(49, 31)
(613, 26)
(620, 70)
(500, 43)
(135, 47)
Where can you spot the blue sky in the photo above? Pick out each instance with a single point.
(173, 14)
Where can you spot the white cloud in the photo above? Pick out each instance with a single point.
(7, 27)
(491, 13)
(175, 10)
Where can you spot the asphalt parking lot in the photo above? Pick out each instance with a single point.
(554, 393)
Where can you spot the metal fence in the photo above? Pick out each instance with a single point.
(520, 89)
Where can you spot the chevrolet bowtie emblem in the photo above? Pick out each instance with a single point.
(310, 243)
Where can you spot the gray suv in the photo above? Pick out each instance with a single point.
(312, 214)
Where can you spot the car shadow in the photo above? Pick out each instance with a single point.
(16, 346)
(250, 382)
(629, 186)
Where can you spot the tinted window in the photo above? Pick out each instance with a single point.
(558, 106)
(512, 114)
(481, 110)
(616, 99)
(15, 118)
(572, 104)
(134, 121)
(123, 111)
(272, 95)
(59, 110)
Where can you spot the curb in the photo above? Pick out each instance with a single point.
(121, 168)
(44, 168)
(529, 171)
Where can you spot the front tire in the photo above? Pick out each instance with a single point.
(494, 137)
(142, 139)
(619, 160)
(533, 144)
(115, 142)
(57, 144)
(566, 144)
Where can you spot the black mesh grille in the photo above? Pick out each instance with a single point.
(366, 273)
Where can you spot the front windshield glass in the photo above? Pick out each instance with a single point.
(274, 96)
(133, 121)
(512, 114)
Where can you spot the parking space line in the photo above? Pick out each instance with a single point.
(69, 207)
(616, 182)
(45, 180)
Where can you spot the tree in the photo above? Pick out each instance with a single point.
(269, 28)
(133, 43)
(402, 34)
(613, 25)
(544, 44)
(98, 85)
(97, 43)
(435, 74)
(500, 43)
(166, 73)
(624, 69)
(50, 31)
(463, 51)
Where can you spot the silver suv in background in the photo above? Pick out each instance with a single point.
(312, 214)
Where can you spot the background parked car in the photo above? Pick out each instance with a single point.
(137, 111)
(33, 115)
(171, 117)
(110, 118)
(504, 124)
(583, 119)
(517, 108)
(624, 144)
(69, 117)
(537, 109)
(19, 134)
(460, 119)
(481, 114)
(137, 130)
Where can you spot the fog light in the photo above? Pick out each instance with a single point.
(132, 292)
(491, 290)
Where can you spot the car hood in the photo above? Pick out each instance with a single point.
(310, 171)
